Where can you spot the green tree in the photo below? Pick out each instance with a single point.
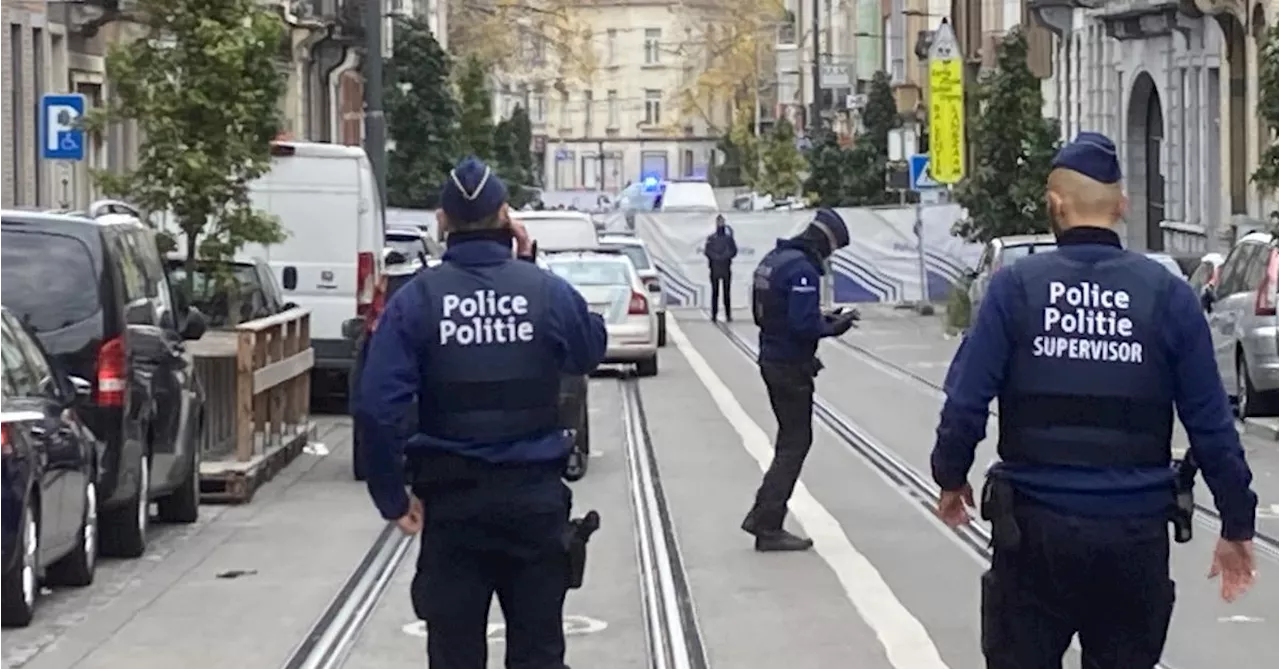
(880, 115)
(1012, 146)
(728, 173)
(780, 162)
(475, 122)
(421, 115)
(827, 166)
(522, 140)
(1269, 108)
(204, 89)
(513, 159)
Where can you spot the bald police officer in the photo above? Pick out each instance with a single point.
(786, 304)
(1088, 349)
(480, 341)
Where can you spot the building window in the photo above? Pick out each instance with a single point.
(564, 170)
(611, 47)
(612, 170)
(613, 109)
(538, 107)
(652, 42)
(686, 163)
(587, 104)
(652, 107)
(590, 172)
(787, 29)
(16, 113)
(564, 109)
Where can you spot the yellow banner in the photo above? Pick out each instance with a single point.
(946, 120)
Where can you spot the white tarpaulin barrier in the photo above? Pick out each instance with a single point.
(881, 263)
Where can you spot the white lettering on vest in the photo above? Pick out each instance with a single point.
(1087, 321)
(484, 317)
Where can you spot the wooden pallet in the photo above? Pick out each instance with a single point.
(233, 482)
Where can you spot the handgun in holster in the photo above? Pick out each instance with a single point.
(997, 508)
(1184, 496)
(577, 534)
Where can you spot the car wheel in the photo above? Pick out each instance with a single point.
(20, 584)
(647, 367)
(124, 530)
(1249, 401)
(183, 504)
(76, 569)
(662, 329)
(357, 457)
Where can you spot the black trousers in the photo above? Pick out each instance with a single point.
(1106, 580)
(502, 537)
(790, 387)
(720, 291)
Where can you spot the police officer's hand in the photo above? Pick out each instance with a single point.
(524, 245)
(1233, 561)
(954, 505)
(411, 522)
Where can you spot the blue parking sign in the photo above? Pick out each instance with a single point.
(61, 137)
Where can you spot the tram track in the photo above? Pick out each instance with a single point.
(673, 637)
(913, 484)
(1206, 516)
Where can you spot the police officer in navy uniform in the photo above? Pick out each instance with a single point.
(720, 249)
(1089, 350)
(480, 341)
(786, 305)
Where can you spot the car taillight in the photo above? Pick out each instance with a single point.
(5, 447)
(1265, 303)
(639, 304)
(370, 292)
(111, 374)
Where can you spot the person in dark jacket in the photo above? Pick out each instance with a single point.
(786, 304)
(480, 341)
(721, 249)
(1089, 350)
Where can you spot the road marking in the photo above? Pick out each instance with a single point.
(1240, 619)
(905, 640)
(573, 626)
(1270, 512)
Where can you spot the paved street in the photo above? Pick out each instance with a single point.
(887, 587)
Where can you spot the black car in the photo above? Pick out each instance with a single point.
(95, 293)
(257, 293)
(48, 474)
(573, 389)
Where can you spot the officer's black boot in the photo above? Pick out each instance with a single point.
(781, 540)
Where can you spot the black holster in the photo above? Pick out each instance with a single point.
(1184, 500)
(997, 508)
(577, 533)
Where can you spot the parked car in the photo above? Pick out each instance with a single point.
(1000, 252)
(558, 230)
(96, 294)
(613, 289)
(573, 388)
(634, 248)
(1242, 320)
(1204, 276)
(49, 487)
(1168, 262)
(258, 294)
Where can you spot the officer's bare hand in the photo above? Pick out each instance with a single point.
(524, 245)
(411, 522)
(954, 505)
(1233, 561)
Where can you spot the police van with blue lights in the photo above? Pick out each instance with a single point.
(653, 195)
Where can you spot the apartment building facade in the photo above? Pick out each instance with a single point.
(619, 121)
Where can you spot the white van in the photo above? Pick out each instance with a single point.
(326, 198)
(559, 230)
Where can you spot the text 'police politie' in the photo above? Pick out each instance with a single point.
(485, 317)
(1086, 321)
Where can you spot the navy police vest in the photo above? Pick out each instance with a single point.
(1089, 383)
(492, 376)
(769, 301)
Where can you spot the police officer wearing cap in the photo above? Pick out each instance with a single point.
(786, 305)
(1089, 350)
(480, 341)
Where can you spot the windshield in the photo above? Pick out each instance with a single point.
(591, 272)
(409, 246)
(1012, 253)
(48, 279)
(213, 300)
(639, 257)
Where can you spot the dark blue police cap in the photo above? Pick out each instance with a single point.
(472, 192)
(1092, 155)
(833, 225)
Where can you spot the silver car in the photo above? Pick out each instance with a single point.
(634, 248)
(1000, 252)
(612, 288)
(1241, 311)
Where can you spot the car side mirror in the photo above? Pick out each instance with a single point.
(352, 328)
(81, 389)
(394, 258)
(194, 325)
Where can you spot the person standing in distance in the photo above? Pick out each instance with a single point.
(720, 250)
(1089, 350)
(480, 341)
(786, 305)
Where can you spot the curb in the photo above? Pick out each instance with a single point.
(1260, 429)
